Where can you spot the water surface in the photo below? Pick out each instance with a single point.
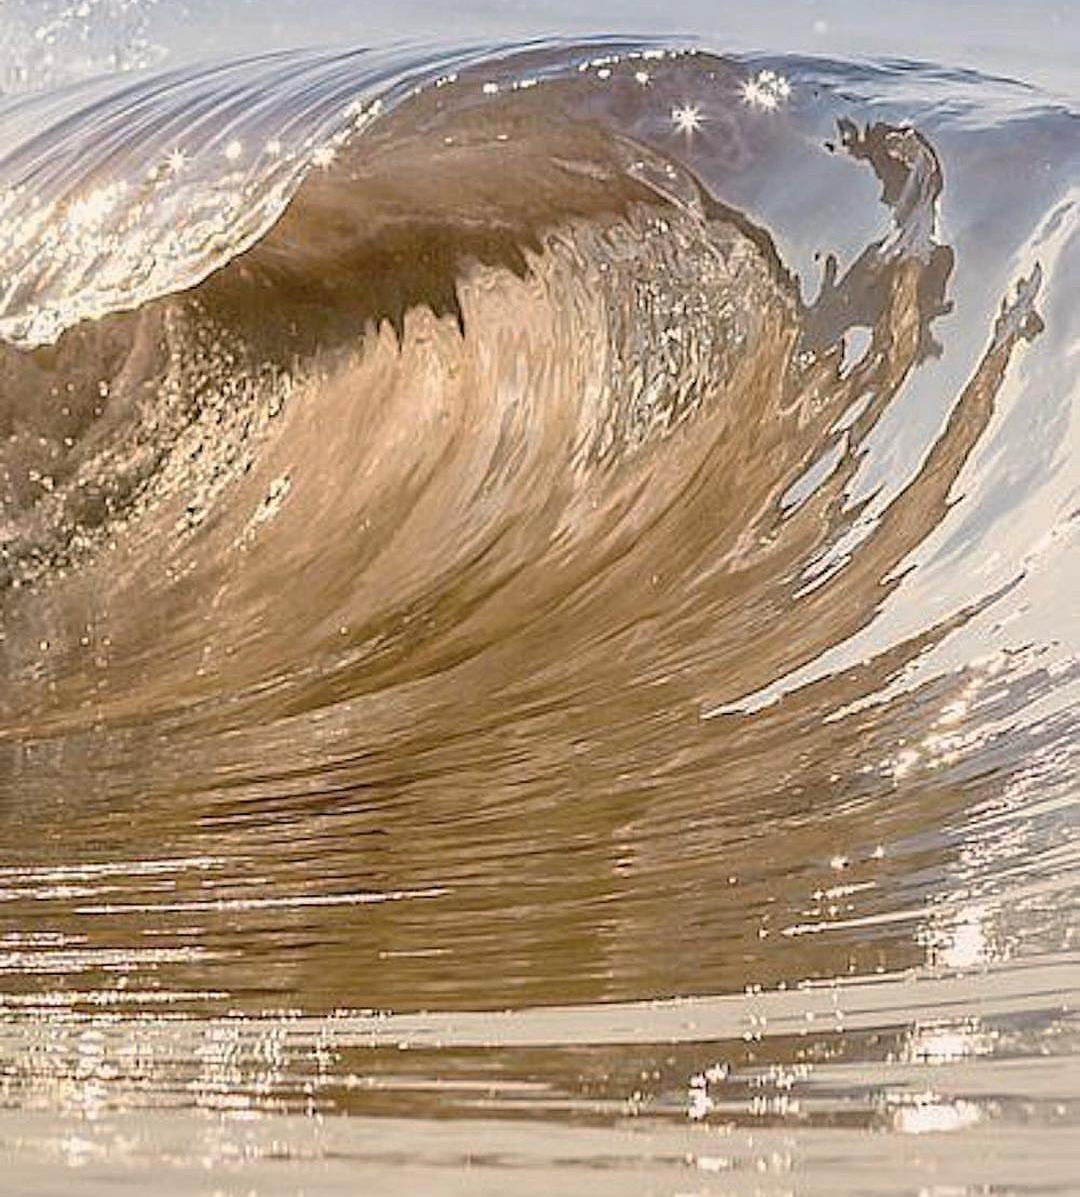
(537, 637)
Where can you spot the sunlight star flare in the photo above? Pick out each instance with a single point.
(687, 118)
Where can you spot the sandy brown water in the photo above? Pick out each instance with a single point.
(536, 629)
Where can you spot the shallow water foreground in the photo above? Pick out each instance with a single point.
(863, 1086)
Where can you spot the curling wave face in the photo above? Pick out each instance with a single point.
(578, 523)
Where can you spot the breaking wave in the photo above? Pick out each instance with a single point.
(645, 474)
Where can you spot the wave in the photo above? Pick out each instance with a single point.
(611, 448)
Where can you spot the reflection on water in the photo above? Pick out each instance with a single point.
(528, 622)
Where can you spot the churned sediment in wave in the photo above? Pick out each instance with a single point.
(609, 299)
(499, 487)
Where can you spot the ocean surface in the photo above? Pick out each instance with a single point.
(539, 599)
